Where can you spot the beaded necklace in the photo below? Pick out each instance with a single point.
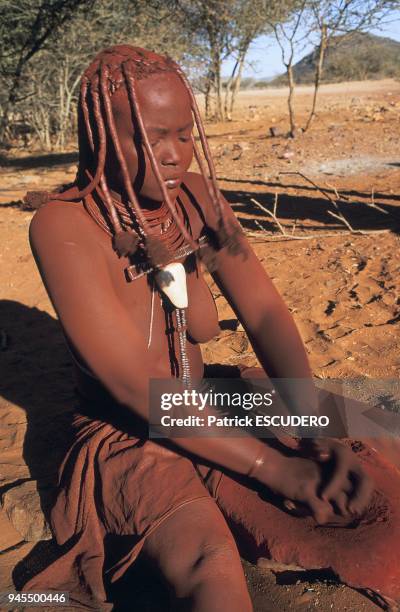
(159, 217)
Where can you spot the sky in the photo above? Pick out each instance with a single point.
(264, 57)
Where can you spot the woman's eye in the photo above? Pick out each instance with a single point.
(184, 138)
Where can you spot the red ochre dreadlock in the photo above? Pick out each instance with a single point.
(123, 66)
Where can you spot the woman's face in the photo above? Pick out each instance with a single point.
(166, 112)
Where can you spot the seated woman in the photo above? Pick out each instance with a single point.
(103, 247)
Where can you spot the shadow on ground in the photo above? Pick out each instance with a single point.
(306, 187)
(309, 213)
(48, 160)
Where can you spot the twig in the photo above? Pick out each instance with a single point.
(320, 189)
(338, 196)
(372, 204)
(343, 220)
(286, 237)
(275, 203)
(260, 226)
(271, 214)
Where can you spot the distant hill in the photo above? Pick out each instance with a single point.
(354, 57)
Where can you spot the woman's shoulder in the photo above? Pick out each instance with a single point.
(58, 221)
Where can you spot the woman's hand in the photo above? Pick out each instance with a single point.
(346, 491)
(298, 480)
(347, 486)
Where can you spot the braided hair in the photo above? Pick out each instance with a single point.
(123, 66)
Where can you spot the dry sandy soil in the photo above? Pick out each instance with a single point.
(342, 287)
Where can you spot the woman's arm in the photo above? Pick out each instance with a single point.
(261, 310)
(269, 325)
(280, 350)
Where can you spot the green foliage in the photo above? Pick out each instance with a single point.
(39, 92)
(356, 56)
(370, 58)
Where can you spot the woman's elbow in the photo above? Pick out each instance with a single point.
(132, 388)
(268, 315)
(136, 400)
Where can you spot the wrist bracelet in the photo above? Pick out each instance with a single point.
(257, 464)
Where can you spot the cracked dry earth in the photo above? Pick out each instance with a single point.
(343, 290)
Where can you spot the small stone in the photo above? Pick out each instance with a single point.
(22, 505)
(9, 536)
(287, 155)
(275, 131)
(237, 151)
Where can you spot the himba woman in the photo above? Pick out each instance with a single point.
(100, 247)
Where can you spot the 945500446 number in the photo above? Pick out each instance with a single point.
(34, 598)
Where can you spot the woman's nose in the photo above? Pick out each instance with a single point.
(171, 156)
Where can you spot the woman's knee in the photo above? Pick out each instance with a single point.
(214, 581)
(214, 559)
(195, 547)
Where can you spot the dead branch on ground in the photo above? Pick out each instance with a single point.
(370, 204)
(339, 215)
(292, 236)
(286, 236)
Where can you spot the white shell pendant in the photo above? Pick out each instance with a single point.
(171, 280)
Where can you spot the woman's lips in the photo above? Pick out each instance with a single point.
(172, 183)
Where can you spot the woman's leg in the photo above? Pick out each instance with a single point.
(196, 554)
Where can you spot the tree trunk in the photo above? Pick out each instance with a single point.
(236, 84)
(47, 141)
(318, 74)
(61, 109)
(218, 85)
(289, 70)
(5, 115)
(229, 86)
(207, 95)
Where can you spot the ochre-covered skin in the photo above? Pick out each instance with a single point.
(107, 322)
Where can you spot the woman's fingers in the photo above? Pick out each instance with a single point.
(322, 450)
(341, 502)
(320, 509)
(350, 488)
(338, 480)
(341, 499)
